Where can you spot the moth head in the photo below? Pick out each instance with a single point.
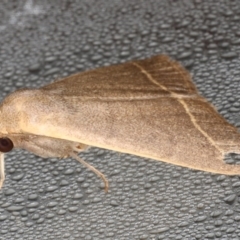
(6, 144)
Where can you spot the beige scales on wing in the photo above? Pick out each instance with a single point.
(149, 108)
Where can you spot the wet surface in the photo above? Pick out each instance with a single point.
(60, 199)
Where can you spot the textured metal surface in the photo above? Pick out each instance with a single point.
(59, 199)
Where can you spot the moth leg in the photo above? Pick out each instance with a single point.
(80, 147)
(2, 170)
(101, 175)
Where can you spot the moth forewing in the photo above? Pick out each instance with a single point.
(149, 108)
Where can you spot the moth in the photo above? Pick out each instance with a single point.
(150, 108)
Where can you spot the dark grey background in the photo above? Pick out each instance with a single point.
(44, 40)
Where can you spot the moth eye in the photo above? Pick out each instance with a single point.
(6, 145)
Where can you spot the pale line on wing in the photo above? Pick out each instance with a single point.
(193, 120)
(149, 76)
(181, 101)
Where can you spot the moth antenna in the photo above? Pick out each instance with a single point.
(2, 170)
(101, 175)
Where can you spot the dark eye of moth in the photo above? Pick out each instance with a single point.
(6, 145)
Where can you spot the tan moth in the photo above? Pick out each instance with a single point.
(149, 108)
